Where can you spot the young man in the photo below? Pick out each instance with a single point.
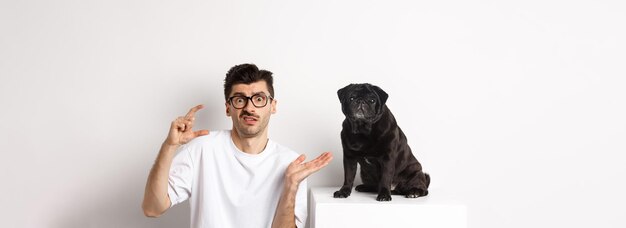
(236, 178)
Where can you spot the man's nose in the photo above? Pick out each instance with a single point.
(249, 106)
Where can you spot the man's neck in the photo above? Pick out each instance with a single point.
(249, 145)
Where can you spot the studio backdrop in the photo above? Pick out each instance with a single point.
(516, 108)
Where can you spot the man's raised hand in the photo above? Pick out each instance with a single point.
(181, 129)
(298, 171)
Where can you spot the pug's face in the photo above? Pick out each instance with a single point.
(363, 102)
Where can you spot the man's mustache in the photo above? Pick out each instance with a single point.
(246, 113)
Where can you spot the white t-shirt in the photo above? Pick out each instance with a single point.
(229, 188)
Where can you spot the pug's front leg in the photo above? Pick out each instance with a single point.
(349, 171)
(384, 188)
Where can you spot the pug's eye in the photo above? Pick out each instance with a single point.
(372, 101)
(351, 98)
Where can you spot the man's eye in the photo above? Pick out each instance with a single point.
(239, 100)
(259, 98)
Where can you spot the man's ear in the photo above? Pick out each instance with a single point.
(273, 106)
(227, 109)
(381, 94)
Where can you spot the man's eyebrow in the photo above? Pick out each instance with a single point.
(243, 94)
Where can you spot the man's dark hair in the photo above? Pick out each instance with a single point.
(247, 74)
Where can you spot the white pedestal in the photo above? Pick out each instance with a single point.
(361, 210)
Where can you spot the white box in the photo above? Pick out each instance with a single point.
(437, 210)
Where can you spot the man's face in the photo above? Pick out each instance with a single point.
(250, 121)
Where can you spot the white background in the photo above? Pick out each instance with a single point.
(516, 107)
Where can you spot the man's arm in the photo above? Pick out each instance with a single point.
(156, 200)
(296, 172)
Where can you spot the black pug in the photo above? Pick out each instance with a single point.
(372, 138)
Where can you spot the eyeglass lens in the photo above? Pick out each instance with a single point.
(258, 100)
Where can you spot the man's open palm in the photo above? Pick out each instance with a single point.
(298, 171)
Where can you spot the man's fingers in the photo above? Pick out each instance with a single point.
(323, 158)
(183, 124)
(319, 162)
(299, 171)
(193, 111)
(188, 125)
(326, 156)
(179, 124)
(313, 165)
(300, 159)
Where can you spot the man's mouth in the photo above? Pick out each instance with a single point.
(250, 120)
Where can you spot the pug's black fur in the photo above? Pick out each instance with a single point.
(371, 137)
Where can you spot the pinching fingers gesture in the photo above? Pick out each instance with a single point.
(181, 129)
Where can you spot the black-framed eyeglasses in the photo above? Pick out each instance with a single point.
(258, 100)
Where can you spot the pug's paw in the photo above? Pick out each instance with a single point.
(384, 196)
(415, 192)
(342, 193)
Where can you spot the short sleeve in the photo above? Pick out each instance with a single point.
(301, 204)
(180, 177)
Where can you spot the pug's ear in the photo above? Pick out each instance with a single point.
(342, 92)
(381, 94)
